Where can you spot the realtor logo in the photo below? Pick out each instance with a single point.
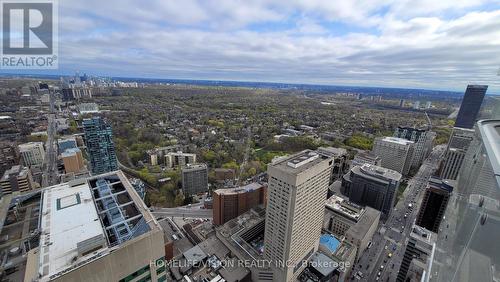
(29, 34)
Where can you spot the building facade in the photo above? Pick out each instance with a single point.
(395, 153)
(175, 159)
(32, 153)
(297, 190)
(471, 105)
(417, 257)
(9, 156)
(434, 204)
(17, 179)
(347, 220)
(372, 186)
(194, 179)
(366, 158)
(458, 144)
(100, 147)
(72, 160)
(423, 139)
(233, 202)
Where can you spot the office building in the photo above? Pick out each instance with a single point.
(32, 153)
(73, 160)
(9, 156)
(233, 202)
(401, 103)
(395, 153)
(428, 105)
(77, 93)
(467, 246)
(96, 229)
(416, 105)
(17, 179)
(100, 147)
(372, 186)
(458, 144)
(366, 158)
(297, 190)
(434, 203)
(340, 165)
(471, 104)
(423, 139)
(417, 258)
(345, 219)
(66, 143)
(175, 159)
(194, 179)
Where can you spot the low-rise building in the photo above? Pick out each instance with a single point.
(366, 158)
(17, 178)
(175, 159)
(347, 220)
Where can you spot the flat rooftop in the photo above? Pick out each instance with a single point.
(299, 162)
(18, 170)
(397, 140)
(87, 218)
(239, 190)
(377, 172)
(69, 216)
(344, 207)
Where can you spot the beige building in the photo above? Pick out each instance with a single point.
(297, 191)
(354, 223)
(179, 159)
(96, 229)
(17, 178)
(73, 160)
(32, 153)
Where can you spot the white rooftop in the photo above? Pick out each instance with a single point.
(69, 216)
(397, 140)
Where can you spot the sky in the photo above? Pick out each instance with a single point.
(431, 44)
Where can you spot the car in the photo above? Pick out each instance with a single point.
(385, 248)
(389, 255)
(394, 247)
(379, 273)
(382, 267)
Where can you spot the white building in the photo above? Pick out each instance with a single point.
(295, 208)
(395, 153)
(32, 153)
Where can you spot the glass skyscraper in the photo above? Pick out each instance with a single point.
(471, 104)
(100, 147)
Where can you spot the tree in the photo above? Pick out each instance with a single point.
(179, 199)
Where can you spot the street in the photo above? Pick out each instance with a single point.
(382, 260)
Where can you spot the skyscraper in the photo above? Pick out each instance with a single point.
(417, 258)
(471, 104)
(295, 208)
(467, 247)
(100, 147)
(434, 204)
(455, 152)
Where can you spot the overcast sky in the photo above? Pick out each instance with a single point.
(436, 44)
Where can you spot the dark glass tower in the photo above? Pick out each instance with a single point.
(100, 147)
(471, 104)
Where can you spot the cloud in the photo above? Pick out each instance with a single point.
(432, 44)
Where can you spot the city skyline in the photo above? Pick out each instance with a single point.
(427, 45)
